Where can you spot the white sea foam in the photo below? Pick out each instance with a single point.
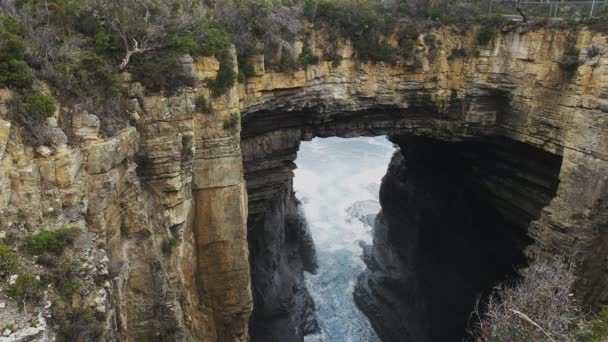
(337, 182)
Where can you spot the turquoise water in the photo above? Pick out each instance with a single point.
(337, 181)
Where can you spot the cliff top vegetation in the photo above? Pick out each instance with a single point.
(78, 47)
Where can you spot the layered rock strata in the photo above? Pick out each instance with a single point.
(513, 88)
(167, 201)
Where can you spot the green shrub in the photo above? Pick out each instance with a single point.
(144, 165)
(593, 51)
(246, 69)
(35, 106)
(599, 24)
(8, 261)
(26, 288)
(11, 48)
(364, 22)
(77, 324)
(65, 277)
(225, 76)
(53, 242)
(595, 330)
(168, 245)
(11, 25)
(201, 104)
(307, 57)
(162, 71)
(457, 53)
(489, 25)
(232, 122)
(569, 61)
(215, 41)
(186, 45)
(287, 63)
(15, 74)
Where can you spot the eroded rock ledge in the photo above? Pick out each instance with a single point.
(512, 89)
(194, 197)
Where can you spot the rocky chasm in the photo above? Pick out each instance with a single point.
(526, 140)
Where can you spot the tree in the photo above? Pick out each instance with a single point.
(146, 25)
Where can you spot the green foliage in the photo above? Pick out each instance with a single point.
(246, 69)
(215, 40)
(599, 24)
(168, 245)
(77, 324)
(593, 51)
(11, 25)
(8, 261)
(12, 48)
(163, 71)
(65, 278)
(232, 122)
(435, 12)
(407, 36)
(35, 106)
(201, 104)
(287, 63)
(488, 27)
(569, 61)
(53, 242)
(26, 288)
(307, 57)
(364, 22)
(144, 165)
(595, 330)
(15, 74)
(107, 43)
(457, 53)
(186, 44)
(225, 76)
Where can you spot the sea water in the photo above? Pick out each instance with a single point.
(337, 182)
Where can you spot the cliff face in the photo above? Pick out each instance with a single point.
(176, 239)
(513, 88)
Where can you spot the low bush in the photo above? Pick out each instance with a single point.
(569, 61)
(201, 104)
(168, 245)
(65, 278)
(37, 106)
(15, 74)
(595, 330)
(77, 324)
(599, 24)
(53, 242)
(8, 261)
(215, 41)
(489, 24)
(246, 69)
(27, 288)
(225, 78)
(232, 122)
(162, 71)
(539, 307)
(144, 165)
(593, 51)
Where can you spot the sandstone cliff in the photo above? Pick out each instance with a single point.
(175, 235)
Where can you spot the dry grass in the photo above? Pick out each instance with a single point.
(539, 307)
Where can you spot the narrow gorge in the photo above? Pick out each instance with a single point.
(501, 158)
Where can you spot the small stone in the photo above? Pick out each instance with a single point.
(7, 332)
(51, 122)
(12, 279)
(44, 151)
(2, 305)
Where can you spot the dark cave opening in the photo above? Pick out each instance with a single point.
(453, 225)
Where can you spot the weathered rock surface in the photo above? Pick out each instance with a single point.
(512, 88)
(168, 202)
